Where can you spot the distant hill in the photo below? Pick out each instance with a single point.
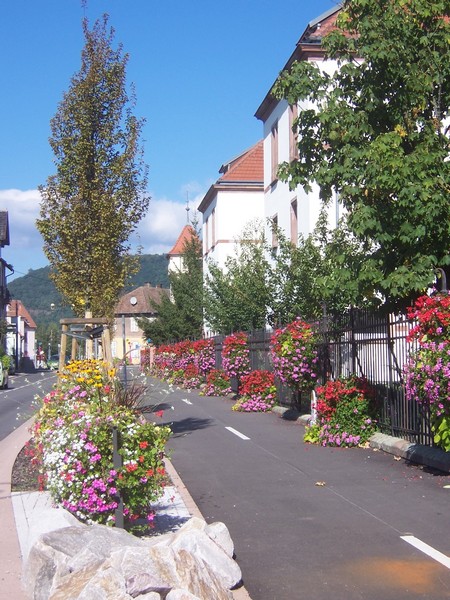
(37, 292)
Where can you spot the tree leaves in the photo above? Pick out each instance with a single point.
(376, 135)
(95, 200)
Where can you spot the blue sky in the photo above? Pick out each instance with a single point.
(200, 70)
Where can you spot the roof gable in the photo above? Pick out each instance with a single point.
(186, 235)
(15, 307)
(248, 166)
(244, 172)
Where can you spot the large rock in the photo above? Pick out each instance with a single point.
(96, 562)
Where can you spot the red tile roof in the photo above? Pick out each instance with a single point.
(248, 166)
(137, 302)
(187, 233)
(243, 172)
(21, 312)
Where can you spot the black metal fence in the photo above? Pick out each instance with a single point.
(362, 343)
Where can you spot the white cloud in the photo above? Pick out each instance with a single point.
(159, 229)
(156, 233)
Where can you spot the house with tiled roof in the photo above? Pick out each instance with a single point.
(175, 255)
(295, 211)
(127, 336)
(233, 201)
(21, 332)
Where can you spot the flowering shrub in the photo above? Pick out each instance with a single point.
(185, 363)
(236, 355)
(432, 317)
(258, 392)
(217, 383)
(345, 413)
(205, 359)
(427, 372)
(73, 437)
(294, 355)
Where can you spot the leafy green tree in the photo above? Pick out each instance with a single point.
(375, 131)
(97, 197)
(180, 316)
(322, 270)
(237, 297)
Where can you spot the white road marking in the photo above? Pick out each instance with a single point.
(428, 550)
(238, 433)
(186, 401)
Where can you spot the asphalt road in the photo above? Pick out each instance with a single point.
(17, 403)
(309, 522)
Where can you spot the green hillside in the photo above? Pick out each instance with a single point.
(37, 292)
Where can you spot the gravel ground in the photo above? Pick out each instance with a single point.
(24, 477)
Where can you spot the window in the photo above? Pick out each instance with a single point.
(293, 136)
(134, 327)
(274, 151)
(294, 222)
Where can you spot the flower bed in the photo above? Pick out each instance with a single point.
(73, 436)
(293, 351)
(236, 355)
(185, 363)
(217, 383)
(345, 413)
(427, 373)
(257, 392)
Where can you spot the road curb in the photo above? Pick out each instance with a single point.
(428, 456)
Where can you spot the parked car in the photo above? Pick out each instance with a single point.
(4, 377)
(53, 361)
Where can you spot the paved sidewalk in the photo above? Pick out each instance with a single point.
(10, 553)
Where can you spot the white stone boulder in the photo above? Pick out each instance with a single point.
(95, 562)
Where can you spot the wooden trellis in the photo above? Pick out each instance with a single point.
(87, 329)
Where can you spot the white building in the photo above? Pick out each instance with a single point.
(295, 212)
(21, 335)
(233, 201)
(128, 337)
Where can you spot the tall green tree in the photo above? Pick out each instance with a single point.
(97, 196)
(180, 315)
(237, 296)
(321, 270)
(375, 130)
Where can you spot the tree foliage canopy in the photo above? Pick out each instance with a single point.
(180, 316)
(237, 297)
(95, 200)
(375, 130)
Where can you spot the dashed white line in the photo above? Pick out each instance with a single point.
(238, 433)
(428, 550)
